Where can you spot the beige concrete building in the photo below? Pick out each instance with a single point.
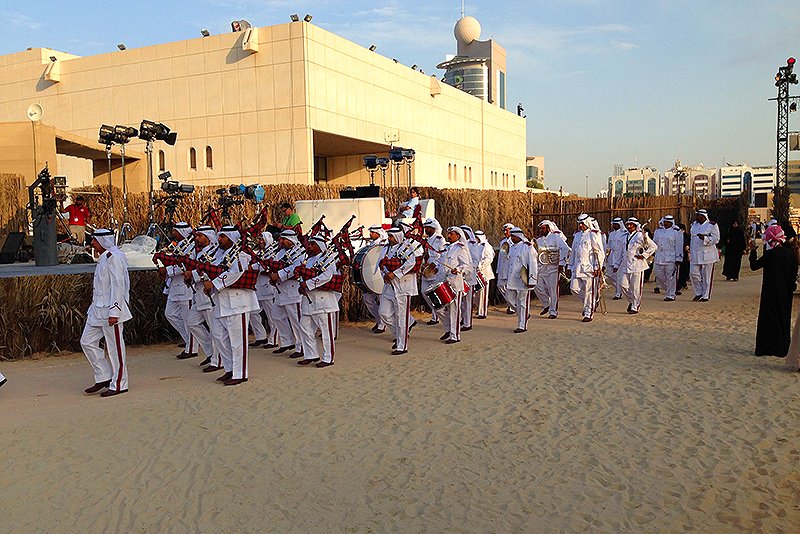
(290, 103)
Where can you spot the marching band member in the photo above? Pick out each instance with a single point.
(436, 244)
(586, 264)
(372, 301)
(471, 277)
(522, 274)
(669, 255)
(453, 262)
(106, 315)
(485, 253)
(287, 299)
(633, 264)
(234, 306)
(318, 308)
(400, 285)
(266, 335)
(199, 313)
(502, 266)
(179, 297)
(703, 255)
(552, 244)
(614, 250)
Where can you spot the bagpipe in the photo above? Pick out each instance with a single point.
(174, 252)
(247, 279)
(339, 251)
(414, 239)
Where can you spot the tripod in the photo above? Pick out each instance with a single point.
(110, 189)
(126, 232)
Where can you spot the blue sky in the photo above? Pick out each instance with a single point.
(602, 82)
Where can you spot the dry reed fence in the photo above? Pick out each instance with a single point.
(12, 204)
(47, 313)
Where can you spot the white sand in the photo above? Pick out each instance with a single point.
(659, 422)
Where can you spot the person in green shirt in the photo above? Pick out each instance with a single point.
(290, 219)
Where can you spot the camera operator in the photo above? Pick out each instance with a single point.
(291, 220)
(79, 216)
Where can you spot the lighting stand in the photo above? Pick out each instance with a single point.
(148, 148)
(126, 228)
(113, 223)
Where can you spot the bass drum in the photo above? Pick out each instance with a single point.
(366, 273)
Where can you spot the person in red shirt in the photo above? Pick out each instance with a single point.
(78, 218)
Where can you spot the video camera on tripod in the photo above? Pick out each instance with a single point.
(173, 187)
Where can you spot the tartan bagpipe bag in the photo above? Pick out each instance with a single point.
(334, 284)
(246, 281)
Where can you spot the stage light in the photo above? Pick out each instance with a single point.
(793, 107)
(295, 17)
(396, 154)
(790, 62)
(122, 46)
(308, 18)
(393, 59)
(414, 66)
(383, 163)
(106, 135)
(371, 162)
(53, 58)
(205, 33)
(164, 176)
(123, 134)
(372, 48)
(153, 131)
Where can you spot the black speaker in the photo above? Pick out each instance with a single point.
(11, 247)
(348, 192)
(368, 191)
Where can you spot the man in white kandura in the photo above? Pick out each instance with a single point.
(287, 299)
(485, 255)
(471, 277)
(106, 315)
(669, 256)
(318, 307)
(452, 263)
(398, 266)
(523, 270)
(235, 305)
(633, 264)
(502, 266)
(198, 316)
(586, 264)
(436, 243)
(266, 334)
(615, 247)
(372, 301)
(179, 297)
(703, 254)
(553, 249)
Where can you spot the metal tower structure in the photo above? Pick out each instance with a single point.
(784, 77)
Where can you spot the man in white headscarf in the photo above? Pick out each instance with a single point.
(435, 248)
(586, 264)
(235, 305)
(107, 314)
(453, 262)
(553, 249)
(400, 285)
(502, 266)
(287, 298)
(633, 264)
(614, 250)
(179, 297)
(485, 256)
(669, 256)
(523, 270)
(703, 254)
(471, 278)
(318, 307)
(266, 334)
(372, 301)
(198, 316)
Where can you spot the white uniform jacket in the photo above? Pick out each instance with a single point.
(520, 255)
(110, 288)
(670, 245)
(455, 257)
(235, 301)
(178, 290)
(703, 250)
(588, 253)
(404, 282)
(555, 241)
(287, 292)
(319, 301)
(616, 246)
(201, 300)
(502, 260)
(636, 244)
(485, 256)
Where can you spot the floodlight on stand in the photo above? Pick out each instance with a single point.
(307, 18)
(414, 66)
(164, 176)
(396, 155)
(205, 33)
(122, 46)
(408, 155)
(295, 17)
(372, 48)
(123, 134)
(156, 131)
(53, 58)
(106, 135)
(383, 163)
(371, 162)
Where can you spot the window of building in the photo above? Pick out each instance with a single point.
(192, 159)
(209, 158)
(470, 175)
(502, 89)
(449, 172)
(320, 169)
(465, 174)
(162, 161)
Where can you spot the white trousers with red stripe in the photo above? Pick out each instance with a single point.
(586, 289)
(521, 301)
(199, 334)
(396, 313)
(287, 320)
(466, 309)
(547, 288)
(667, 278)
(632, 284)
(326, 324)
(176, 313)
(481, 301)
(702, 277)
(235, 358)
(451, 317)
(213, 326)
(373, 304)
(112, 368)
(257, 325)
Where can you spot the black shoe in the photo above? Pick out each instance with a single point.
(226, 376)
(379, 331)
(656, 290)
(283, 349)
(186, 355)
(268, 346)
(432, 322)
(412, 326)
(466, 328)
(520, 330)
(451, 341)
(697, 298)
(394, 344)
(398, 352)
(632, 312)
(111, 392)
(509, 311)
(206, 361)
(321, 365)
(296, 355)
(668, 299)
(258, 342)
(616, 298)
(552, 317)
(308, 362)
(374, 327)
(445, 336)
(234, 381)
(679, 293)
(630, 307)
(586, 320)
(703, 300)
(91, 390)
(212, 369)
(544, 311)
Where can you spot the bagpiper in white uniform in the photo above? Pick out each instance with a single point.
(287, 298)
(212, 253)
(586, 263)
(179, 296)
(633, 264)
(502, 266)
(703, 254)
(107, 313)
(553, 247)
(198, 316)
(372, 301)
(234, 306)
(400, 285)
(452, 264)
(471, 278)
(434, 250)
(266, 335)
(523, 270)
(318, 308)
(615, 248)
(485, 254)
(669, 256)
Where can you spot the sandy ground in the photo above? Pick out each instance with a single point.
(659, 422)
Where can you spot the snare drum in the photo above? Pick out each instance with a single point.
(441, 295)
(366, 273)
(480, 282)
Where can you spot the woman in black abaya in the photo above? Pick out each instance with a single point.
(777, 285)
(735, 244)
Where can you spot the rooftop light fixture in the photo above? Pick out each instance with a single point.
(372, 48)
(307, 18)
(295, 17)
(205, 33)
(122, 46)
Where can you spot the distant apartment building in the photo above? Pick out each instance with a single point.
(635, 181)
(534, 171)
(695, 180)
(758, 181)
